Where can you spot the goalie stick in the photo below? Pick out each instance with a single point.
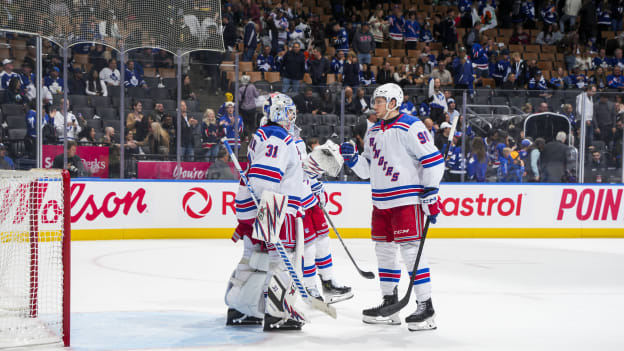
(365, 274)
(319, 305)
(392, 309)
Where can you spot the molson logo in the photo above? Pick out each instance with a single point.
(108, 207)
(17, 199)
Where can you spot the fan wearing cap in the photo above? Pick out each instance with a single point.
(53, 81)
(228, 98)
(442, 135)
(7, 74)
(228, 123)
(405, 170)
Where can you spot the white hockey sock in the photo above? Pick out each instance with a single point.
(323, 257)
(389, 269)
(309, 267)
(422, 283)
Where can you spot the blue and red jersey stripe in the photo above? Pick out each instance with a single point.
(396, 192)
(269, 173)
(389, 275)
(431, 160)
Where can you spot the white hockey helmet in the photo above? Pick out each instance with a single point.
(389, 91)
(279, 108)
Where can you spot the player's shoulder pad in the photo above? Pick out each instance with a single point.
(405, 122)
(267, 132)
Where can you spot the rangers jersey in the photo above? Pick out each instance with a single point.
(401, 160)
(309, 185)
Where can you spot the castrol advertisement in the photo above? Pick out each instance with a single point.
(206, 209)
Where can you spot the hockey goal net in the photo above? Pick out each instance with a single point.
(34, 257)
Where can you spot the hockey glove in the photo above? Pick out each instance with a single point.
(348, 150)
(430, 203)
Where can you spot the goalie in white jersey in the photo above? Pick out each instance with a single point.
(405, 169)
(274, 165)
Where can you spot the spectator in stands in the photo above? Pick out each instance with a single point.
(602, 60)
(94, 86)
(168, 125)
(71, 124)
(220, 168)
(5, 161)
(464, 73)
(133, 77)
(228, 98)
(480, 61)
(351, 104)
(519, 68)
(74, 162)
(76, 84)
(501, 68)
(136, 122)
(293, 69)
(337, 64)
(402, 76)
(367, 77)
(158, 112)
(407, 107)
(306, 102)
(419, 77)
(158, 140)
(585, 109)
(615, 80)
(364, 44)
(87, 135)
(96, 57)
(599, 79)
(110, 75)
(396, 23)
(554, 159)
(14, 94)
(340, 38)
(7, 73)
(441, 137)
(441, 73)
(228, 123)
(537, 82)
(546, 36)
(472, 36)
(533, 160)
(53, 81)
(542, 108)
(384, 75)
(351, 71)
(596, 162)
(28, 80)
(617, 60)
(477, 161)
(588, 22)
(109, 136)
(265, 61)
(605, 115)
(211, 135)
(519, 36)
(187, 89)
(412, 31)
(327, 102)
(319, 68)
(528, 14)
(131, 146)
(558, 80)
(250, 39)
(189, 123)
(583, 61)
(449, 31)
(247, 94)
(570, 12)
(229, 32)
(378, 25)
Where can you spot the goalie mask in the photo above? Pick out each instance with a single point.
(280, 109)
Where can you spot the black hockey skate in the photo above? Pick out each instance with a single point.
(235, 317)
(278, 324)
(372, 316)
(334, 292)
(423, 318)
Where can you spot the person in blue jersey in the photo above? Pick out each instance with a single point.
(617, 59)
(602, 60)
(367, 77)
(558, 79)
(265, 62)
(337, 63)
(274, 165)
(340, 39)
(528, 14)
(616, 80)
(412, 31)
(396, 23)
(407, 107)
(480, 61)
(455, 161)
(53, 81)
(405, 170)
(549, 13)
(7, 73)
(228, 123)
(133, 76)
(502, 68)
(477, 161)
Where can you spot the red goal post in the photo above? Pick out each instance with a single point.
(35, 257)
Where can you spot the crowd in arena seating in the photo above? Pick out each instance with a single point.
(548, 55)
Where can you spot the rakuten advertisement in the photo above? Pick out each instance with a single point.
(178, 209)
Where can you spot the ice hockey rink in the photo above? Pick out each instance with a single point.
(489, 294)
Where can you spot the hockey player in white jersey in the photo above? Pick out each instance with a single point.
(405, 169)
(317, 254)
(274, 165)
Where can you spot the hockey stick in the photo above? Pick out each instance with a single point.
(319, 305)
(365, 274)
(392, 309)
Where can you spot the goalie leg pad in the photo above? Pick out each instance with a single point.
(246, 296)
(281, 298)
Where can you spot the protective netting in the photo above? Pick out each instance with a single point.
(171, 25)
(31, 257)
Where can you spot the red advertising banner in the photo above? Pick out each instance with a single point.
(94, 158)
(170, 170)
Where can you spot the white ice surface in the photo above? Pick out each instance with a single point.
(488, 294)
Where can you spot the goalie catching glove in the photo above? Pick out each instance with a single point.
(430, 203)
(324, 159)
